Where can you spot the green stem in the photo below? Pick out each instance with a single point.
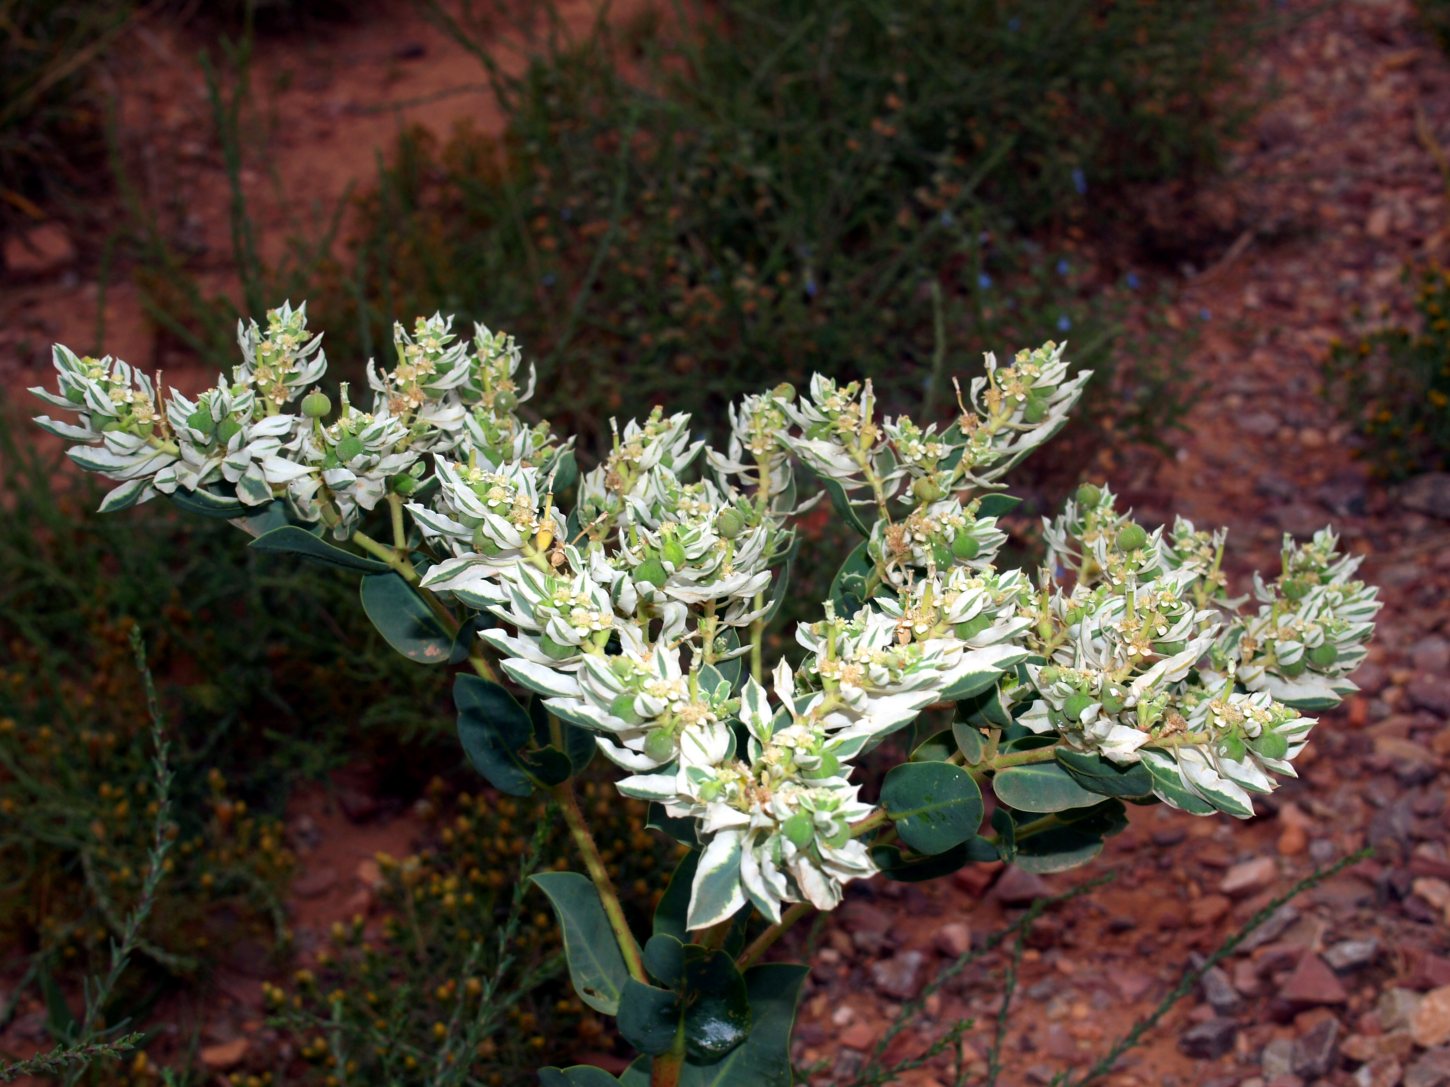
(757, 642)
(763, 943)
(400, 535)
(594, 864)
(389, 555)
(667, 1068)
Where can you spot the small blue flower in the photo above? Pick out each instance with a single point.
(946, 218)
(1204, 314)
(1064, 323)
(1133, 281)
(567, 214)
(811, 287)
(984, 281)
(548, 279)
(1079, 180)
(1063, 267)
(1014, 24)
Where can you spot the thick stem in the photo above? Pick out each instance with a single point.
(594, 864)
(400, 534)
(387, 554)
(766, 940)
(668, 1067)
(757, 642)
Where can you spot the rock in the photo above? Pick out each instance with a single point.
(1131, 984)
(869, 926)
(1352, 954)
(1313, 983)
(1429, 493)
(224, 1055)
(315, 883)
(901, 976)
(1208, 910)
(1210, 1040)
(1277, 924)
(1430, 656)
(1315, 1051)
(1293, 840)
(1219, 991)
(1430, 1070)
(859, 1035)
(1019, 888)
(1249, 876)
(1430, 1021)
(1396, 1008)
(41, 251)
(1380, 1072)
(1430, 692)
(954, 939)
(1277, 1059)
(1434, 891)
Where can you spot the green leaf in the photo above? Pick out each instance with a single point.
(971, 686)
(969, 742)
(848, 587)
(764, 1059)
(896, 866)
(984, 710)
(209, 504)
(664, 960)
(717, 1008)
(843, 505)
(1040, 787)
(403, 619)
(937, 748)
(1098, 775)
(1006, 828)
(581, 1075)
(729, 670)
(492, 727)
(564, 473)
(679, 827)
(649, 1018)
(996, 504)
(1168, 785)
(273, 515)
(1057, 850)
(934, 805)
(596, 965)
(716, 894)
(669, 919)
(291, 540)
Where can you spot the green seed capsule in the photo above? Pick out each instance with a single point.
(1077, 705)
(316, 405)
(1295, 670)
(556, 650)
(784, 391)
(925, 489)
(1113, 701)
(1232, 747)
(839, 838)
(660, 745)
(1089, 495)
(1294, 589)
(403, 484)
(1271, 746)
(966, 547)
(1324, 655)
(1168, 649)
(972, 627)
(1132, 537)
(711, 790)
(730, 523)
(673, 552)
(800, 829)
(1035, 411)
(623, 708)
(505, 401)
(349, 447)
(652, 571)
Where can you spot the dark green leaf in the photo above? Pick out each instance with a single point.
(493, 727)
(937, 748)
(843, 505)
(680, 828)
(848, 587)
(934, 805)
(1040, 787)
(996, 504)
(1168, 785)
(669, 917)
(717, 1009)
(1006, 828)
(291, 540)
(1098, 775)
(984, 710)
(971, 686)
(581, 1075)
(968, 741)
(649, 1018)
(210, 504)
(404, 620)
(1058, 849)
(664, 960)
(596, 965)
(895, 866)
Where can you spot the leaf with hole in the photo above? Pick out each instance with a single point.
(404, 619)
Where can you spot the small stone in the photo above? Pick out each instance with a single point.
(1131, 984)
(1434, 891)
(1019, 888)
(1430, 1022)
(1219, 991)
(1313, 983)
(868, 925)
(1315, 1051)
(1208, 910)
(1430, 693)
(900, 976)
(859, 1035)
(1430, 1070)
(1210, 1040)
(1396, 1008)
(954, 939)
(1352, 954)
(1277, 1059)
(224, 1055)
(41, 251)
(1249, 876)
(316, 883)
(1293, 840)
(1429, 493)
(1380, 1072)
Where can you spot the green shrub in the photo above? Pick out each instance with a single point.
(1393, 383)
